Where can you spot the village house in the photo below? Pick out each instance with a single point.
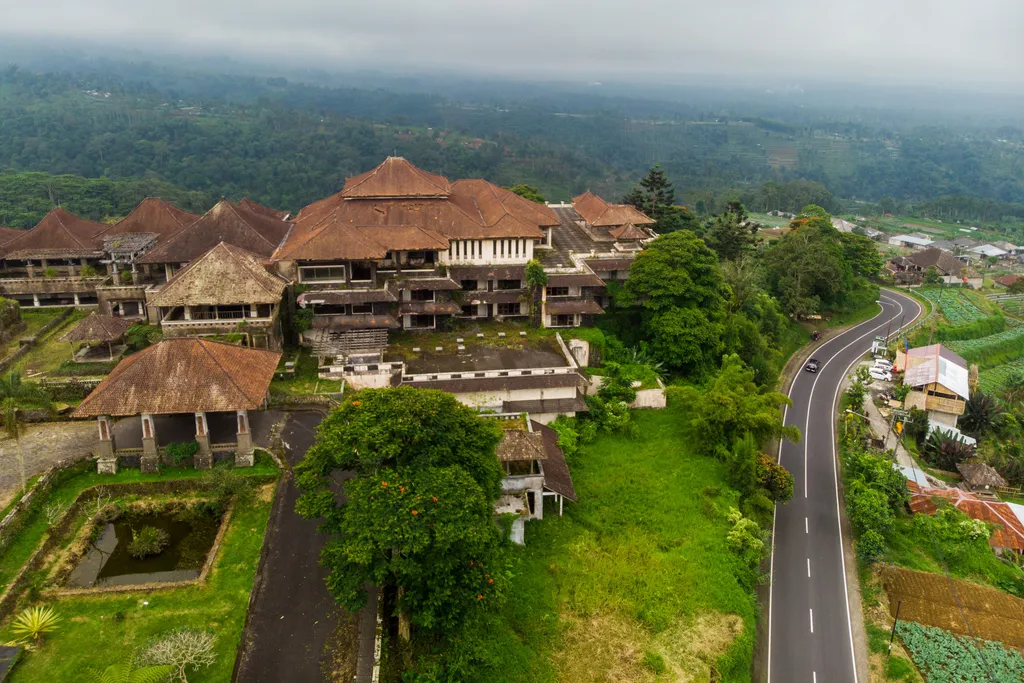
(911, 268)
(914, 241)
(979, 477)
(1007, 280)
(938, 379)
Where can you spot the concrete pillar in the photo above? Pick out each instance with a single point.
(168, 274)
(243, 454)
(107, 444)
(204, 457)
(150, 454)
(188, 312)
(30, 270)
(77, 302)
(35, 299)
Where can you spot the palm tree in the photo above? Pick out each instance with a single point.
(15, 396)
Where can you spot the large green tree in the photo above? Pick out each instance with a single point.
(679, 288)
(807, 270)
(420, 507)
(656, 197)
(731, 234)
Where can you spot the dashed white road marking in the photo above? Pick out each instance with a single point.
(808, 567)
(807, 528)
(812, 619)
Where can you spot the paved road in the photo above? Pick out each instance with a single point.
(292, 634)
(810, 638)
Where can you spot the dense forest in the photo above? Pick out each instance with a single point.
(198, 137)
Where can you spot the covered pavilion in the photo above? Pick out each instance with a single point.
(182, 376)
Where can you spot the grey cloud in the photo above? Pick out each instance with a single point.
(933, 41)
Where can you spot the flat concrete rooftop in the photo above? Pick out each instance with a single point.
(481, 357)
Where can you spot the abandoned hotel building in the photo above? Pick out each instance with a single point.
(397, 250)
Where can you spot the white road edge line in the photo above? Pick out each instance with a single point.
(835, 477)
(775, 511)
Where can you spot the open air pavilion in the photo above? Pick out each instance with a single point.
(99, 336)
(212, 383)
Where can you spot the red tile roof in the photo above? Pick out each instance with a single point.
(396, 177)
(602, 214)
(155, 216)
(225, 222)
(1009, 532)
(252, 206)
(8, 234)
(99, 328)
(59, 231)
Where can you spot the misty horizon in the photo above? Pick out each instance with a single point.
(956, 44)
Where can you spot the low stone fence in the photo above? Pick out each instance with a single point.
(329, 400)
(28, 344)
(645, 398)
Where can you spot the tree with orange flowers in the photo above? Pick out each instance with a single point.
(418, 516)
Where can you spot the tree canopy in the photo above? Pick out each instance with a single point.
(677, 283)
(731, 234)
(419, 510)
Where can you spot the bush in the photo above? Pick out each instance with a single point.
(180, 452)
(775, 479)
(870, 546)
(148, 541)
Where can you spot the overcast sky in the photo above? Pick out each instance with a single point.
(954, 42)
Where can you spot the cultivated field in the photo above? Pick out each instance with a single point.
(930, 599)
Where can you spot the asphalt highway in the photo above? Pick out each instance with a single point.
(810, 638)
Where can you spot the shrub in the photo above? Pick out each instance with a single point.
(184, 649)
(870, 545)
(775, 479)
(180, 452)
(35, 622)
(147, 541)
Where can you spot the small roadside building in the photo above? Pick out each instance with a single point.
(980, 477)
(97, 333)
(182, 376)
(938, 381)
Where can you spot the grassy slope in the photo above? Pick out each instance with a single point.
(124, 622)
(641, 555)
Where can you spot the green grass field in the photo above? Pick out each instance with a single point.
(124, 622)
(637, 568)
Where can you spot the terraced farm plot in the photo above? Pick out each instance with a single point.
(928, 599)
(977, 349)
(994, 379)
(945, 658)
(956, 306)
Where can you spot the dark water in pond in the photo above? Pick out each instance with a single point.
(108, 563)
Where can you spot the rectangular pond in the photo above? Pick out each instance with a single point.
(186, 536)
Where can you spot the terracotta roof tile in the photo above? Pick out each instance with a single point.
(225, 275)
(184, 376)
(252, 206)
(225, 222)
(58, 231)
(8, 234)
(980, 474)
(519, 445)
(155, 216)
(396, 177)
(556, 470)
(587, 306)
(602, 214)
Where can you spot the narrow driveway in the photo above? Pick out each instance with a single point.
(810, 634)
(293, 616)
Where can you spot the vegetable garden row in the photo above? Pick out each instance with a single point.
(944, 658)
(955, 304)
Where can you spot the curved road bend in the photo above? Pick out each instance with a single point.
(810, 638)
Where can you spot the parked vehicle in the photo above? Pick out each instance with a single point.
(880, 374)
(882, 363)
(812, 365)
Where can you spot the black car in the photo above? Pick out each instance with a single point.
(812, 365)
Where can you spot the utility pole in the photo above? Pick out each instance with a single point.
(894, 622)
